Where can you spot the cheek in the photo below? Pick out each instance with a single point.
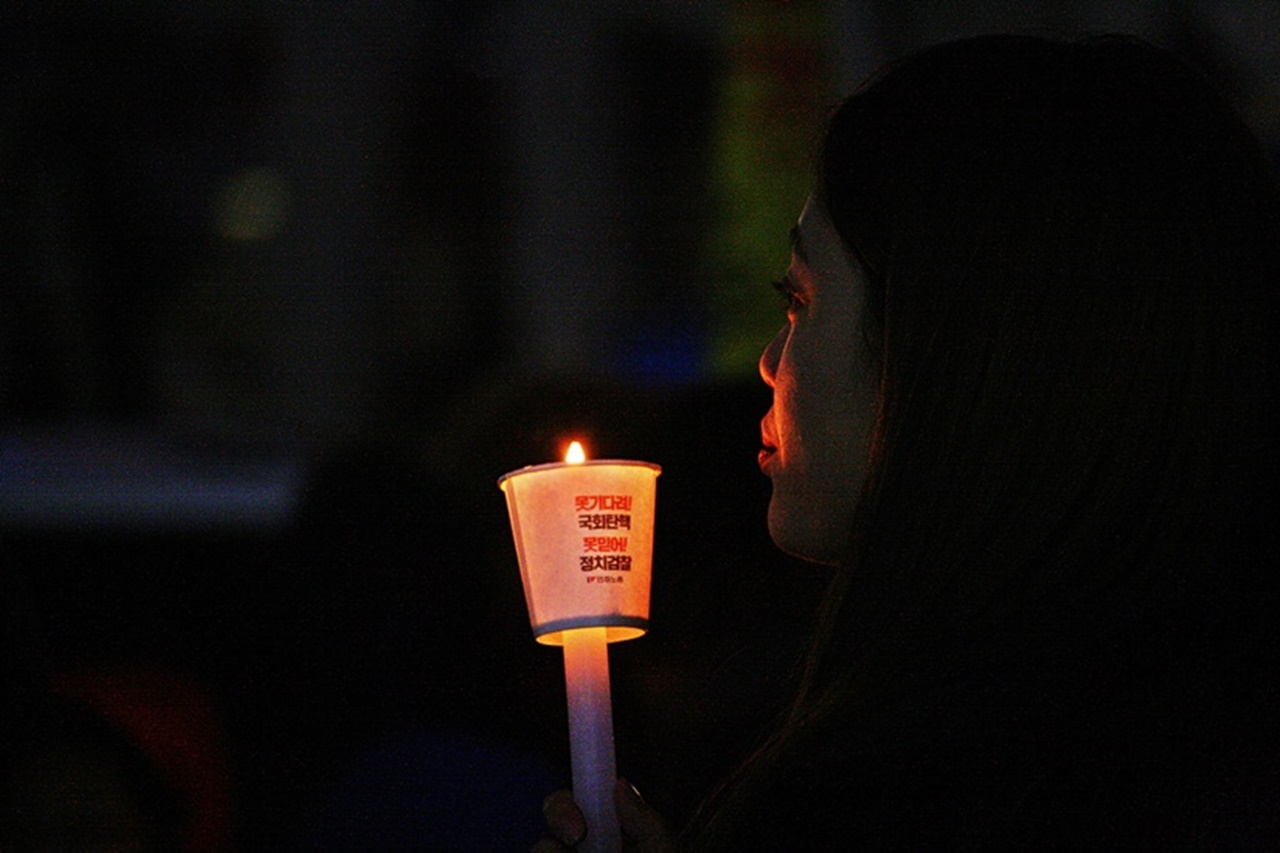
(815, 490)
(832, 406)
(828, 391)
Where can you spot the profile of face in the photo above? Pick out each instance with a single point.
(816, 435)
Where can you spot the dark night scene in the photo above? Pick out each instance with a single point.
(742, 424)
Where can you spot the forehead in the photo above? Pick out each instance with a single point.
(814, 240)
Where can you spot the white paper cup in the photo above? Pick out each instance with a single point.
(584, 538)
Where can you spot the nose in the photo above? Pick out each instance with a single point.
(769, 358)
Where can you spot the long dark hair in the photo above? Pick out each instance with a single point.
(1071, 250)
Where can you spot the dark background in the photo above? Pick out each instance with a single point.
(286, 286)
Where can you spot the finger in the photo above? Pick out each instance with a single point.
(639, 821)
(564, 818)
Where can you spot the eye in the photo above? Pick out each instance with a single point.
(790, 294)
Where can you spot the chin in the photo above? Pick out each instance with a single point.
(814, 543)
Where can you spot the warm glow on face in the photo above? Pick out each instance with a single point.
(575, 455)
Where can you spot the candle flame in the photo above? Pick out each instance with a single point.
(575, 455)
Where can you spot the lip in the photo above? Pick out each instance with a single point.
(769, 445)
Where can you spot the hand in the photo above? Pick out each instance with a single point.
(643, 829)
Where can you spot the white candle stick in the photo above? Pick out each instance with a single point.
(586, 675)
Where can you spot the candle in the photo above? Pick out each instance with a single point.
(583, 533)
(591, 753)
